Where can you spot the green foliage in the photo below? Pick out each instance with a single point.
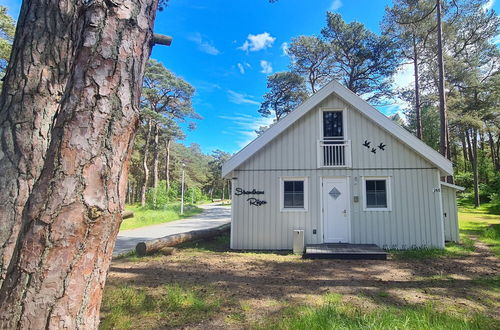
(363, 61)
(172, 305)
(158, 198)
(287, 91)
(313, 60)
(7, 30)
(196, 195)
(147, 217)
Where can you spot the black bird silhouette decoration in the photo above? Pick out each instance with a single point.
(374, 150)
(367, 144)
(381, 146)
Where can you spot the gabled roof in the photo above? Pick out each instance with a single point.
(355, 101)
(452, 186)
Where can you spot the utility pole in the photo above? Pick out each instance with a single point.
(182, 190)
(443, 142)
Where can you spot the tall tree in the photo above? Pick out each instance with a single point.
(27, 113)
(217, 182)
(363, 61)
(409, 24)
(55, 278)
(169, 98)
(287, 91)
(312, 59)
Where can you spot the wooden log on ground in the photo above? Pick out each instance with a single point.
(155, 246)
(127, 214)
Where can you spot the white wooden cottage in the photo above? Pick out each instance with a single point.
(343, 172)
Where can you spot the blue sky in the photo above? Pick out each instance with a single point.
(227, 48)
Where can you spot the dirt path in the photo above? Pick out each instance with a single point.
(263, 283)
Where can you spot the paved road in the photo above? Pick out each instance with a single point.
(212, 216)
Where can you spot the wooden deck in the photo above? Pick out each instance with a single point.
(345, 251)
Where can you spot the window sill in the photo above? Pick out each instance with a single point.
(377, 209)
(293, 210)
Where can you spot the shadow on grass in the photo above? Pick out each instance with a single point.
(335, 314)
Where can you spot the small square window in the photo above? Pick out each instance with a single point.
(293, 194)
(376, 193)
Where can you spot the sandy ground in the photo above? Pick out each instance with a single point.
(264, 283)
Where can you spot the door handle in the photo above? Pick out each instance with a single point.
(345, 212)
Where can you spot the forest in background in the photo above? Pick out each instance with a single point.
(364, 62)
(469, 131)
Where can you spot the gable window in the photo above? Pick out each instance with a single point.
(293, 194)
(332, 122)
(376, 194)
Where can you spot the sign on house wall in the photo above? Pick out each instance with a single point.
(251, 200)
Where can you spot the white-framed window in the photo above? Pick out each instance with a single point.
(293, 194)
(377, 193)
(332, 125)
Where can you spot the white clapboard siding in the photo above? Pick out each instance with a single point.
(414, 221)
(451, 214)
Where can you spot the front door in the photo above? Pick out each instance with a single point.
(336, 210)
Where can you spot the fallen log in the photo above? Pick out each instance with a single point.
(127, 214)
(155, 246)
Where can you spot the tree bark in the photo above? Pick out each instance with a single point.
(73, 213)
(145, 165)
(167, 162)
(493, 151)
(472, 146)
(417, 90)
(153, 246)
(156, 150)
(34, 84)
(443, 142)
(464, 149)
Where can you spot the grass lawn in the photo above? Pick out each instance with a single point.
(144, 217)
(479, 223)
(205, 285)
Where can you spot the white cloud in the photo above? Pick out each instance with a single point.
(266, 67)
(206, 86)
(241, 98)
(257, 42)
(243, 126)
(488, 5)
(336, 4)
(284, 49)
(404, 76)
(204, 45)
(402, 79)
(241, 68)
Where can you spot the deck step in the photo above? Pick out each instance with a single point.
(345, 251)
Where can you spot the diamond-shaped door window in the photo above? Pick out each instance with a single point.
(335, 193)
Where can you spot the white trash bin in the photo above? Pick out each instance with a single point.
(298, 241)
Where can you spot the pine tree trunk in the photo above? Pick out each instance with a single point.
(145, 164)
(494, 155)
(417, 90)
(223, 187)
(156, 150)
(33, 87)
(167, 162)
(473, 159)
(444, 141)
(464, 149)
(74, 211)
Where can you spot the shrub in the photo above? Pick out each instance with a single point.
(157, 198)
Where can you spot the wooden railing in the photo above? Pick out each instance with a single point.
(334, 153)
